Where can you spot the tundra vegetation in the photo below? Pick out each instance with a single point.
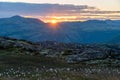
(50, 60)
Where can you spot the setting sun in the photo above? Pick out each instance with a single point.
(53, 21)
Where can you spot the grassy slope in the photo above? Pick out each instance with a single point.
(15, 65)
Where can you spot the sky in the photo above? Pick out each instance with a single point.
(102, 4)
(62, 10)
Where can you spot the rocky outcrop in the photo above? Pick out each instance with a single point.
(95, 53)
(72, 53)
(14, 43)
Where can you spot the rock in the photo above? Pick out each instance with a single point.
(92, 54)
(75, 59)
(72, 53)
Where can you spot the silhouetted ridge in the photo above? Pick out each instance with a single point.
(91, 31)
(17, 16)
(23, 19)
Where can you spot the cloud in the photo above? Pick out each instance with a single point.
(48, 11)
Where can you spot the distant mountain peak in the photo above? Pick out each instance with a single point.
(17, 16)
(26, 20)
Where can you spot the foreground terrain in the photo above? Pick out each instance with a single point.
(24, 60)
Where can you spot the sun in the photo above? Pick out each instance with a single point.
(53, 21)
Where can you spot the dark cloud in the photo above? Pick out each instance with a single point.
(41, 8)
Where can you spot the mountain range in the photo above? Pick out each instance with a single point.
(91, 31)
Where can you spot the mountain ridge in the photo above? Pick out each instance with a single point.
(91, 31)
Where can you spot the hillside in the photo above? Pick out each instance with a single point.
(20, 59)
(91, 31)
(70, 52)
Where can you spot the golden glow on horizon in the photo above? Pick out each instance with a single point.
(57, 19)
(28, 16)
(53, 21)
(53, 24)
(70, 18)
